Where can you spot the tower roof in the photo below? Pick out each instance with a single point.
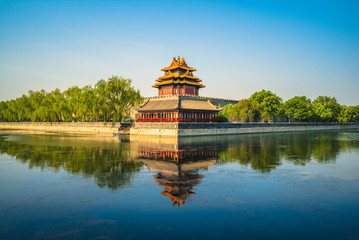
(183, 82)
(179, 63)
(186, 74)
(178, 103)
(178, 73)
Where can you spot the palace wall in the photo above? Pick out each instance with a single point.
(77, 127)
(175, 129)
(198, 129)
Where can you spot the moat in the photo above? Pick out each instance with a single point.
(255, 186)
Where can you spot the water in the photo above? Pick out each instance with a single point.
(258, 186)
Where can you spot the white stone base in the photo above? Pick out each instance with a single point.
(228, 131)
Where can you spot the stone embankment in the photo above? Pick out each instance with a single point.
(197, 129)
(65, 127)
(175, 129)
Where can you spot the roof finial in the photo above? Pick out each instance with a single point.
(178, 58)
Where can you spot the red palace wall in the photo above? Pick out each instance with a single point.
(178, 91)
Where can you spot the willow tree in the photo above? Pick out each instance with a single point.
(116, 97)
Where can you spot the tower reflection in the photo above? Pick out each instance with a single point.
(178, 163)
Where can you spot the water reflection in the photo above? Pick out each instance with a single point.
(265, 152)
(108, 162)
(178, 163)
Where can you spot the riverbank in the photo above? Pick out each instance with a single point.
(174, 128)
(200, 129)
(65, 127)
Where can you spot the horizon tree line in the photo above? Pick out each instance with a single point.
(265, 106)
(109, 100)
(112, 101)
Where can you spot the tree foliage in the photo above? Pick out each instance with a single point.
(300, 108)
(227, 113)
(267, 106)
(349, 114)
(270, 105)
(247, 111)
(243, 111)
(109, 100)
(326, 109)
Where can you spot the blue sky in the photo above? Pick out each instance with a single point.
(292, 48)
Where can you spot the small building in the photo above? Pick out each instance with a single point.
(178, 98)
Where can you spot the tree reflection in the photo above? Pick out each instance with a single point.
(297, 148)
(327, 146)
(266, 151)
(323, 147)
(111, 167)
(260, 151)
(114, 164)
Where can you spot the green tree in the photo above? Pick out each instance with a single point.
(356, 114)
(326, 109)
(3, 108)
(10, 111)
(116, 97)
(35, 99)
(299, 108)
(109, 101)
(24, 108)
(57, 100)
(73, 104)
(348, 114)
(270, 105)
(87, 100)
(247, 111)
(122, 97)
(228, 113)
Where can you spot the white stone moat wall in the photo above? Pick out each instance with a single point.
(200, 129)
(70, 127)
(176, 129)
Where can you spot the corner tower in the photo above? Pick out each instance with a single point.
(178, 80)
(178, 99)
